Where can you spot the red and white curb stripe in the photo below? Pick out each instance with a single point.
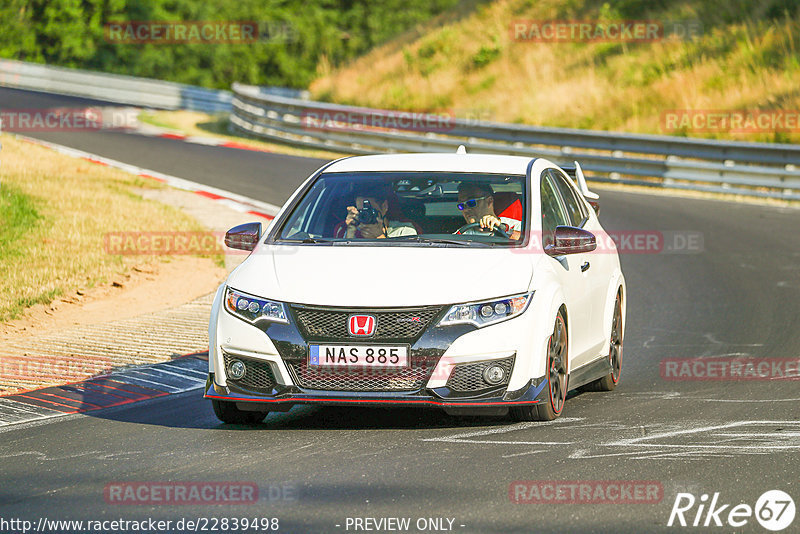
(129, 386)
(232, 200)
(154, 131)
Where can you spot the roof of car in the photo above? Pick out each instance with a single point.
(479, 163)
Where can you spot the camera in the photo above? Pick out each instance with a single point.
(368, 214)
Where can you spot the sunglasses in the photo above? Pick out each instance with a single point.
(471, 203)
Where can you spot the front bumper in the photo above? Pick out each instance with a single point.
(279, 350)
(284, 397)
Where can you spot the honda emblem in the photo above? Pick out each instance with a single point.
(361, 325)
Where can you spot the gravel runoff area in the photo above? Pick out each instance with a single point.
(52, 356)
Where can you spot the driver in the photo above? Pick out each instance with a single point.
(476, 202)
(378, 197)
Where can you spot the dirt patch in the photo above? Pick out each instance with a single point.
(145, 288)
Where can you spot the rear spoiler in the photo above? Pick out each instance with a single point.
(576, 173)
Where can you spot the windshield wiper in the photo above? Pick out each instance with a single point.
(308, 240)
(435, 240)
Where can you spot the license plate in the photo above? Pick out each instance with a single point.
(358, 355)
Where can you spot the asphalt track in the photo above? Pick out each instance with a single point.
(735, 295)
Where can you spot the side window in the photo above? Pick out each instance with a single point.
(575, 208)
(552, 213)
(306, 214)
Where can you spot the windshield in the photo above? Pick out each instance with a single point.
(467, 209)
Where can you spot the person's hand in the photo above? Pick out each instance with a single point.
(351, 221)
(368, 231)
(490, 221)
(352, 216)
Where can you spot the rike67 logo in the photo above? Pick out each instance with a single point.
(774, 510)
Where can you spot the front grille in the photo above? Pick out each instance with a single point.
(407, 379)
(258, 374)
(327, 325)
(469, 376)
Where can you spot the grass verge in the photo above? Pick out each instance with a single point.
(742, 55)
(54, 213)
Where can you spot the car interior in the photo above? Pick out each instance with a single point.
(430, 206)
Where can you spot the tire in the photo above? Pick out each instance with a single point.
(610, 381)
(557, 378)
(227, 412)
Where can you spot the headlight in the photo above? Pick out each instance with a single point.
(486, 312)
(253, 309)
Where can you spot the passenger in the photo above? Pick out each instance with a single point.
(378, 196)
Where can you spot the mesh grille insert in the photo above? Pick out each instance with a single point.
(469, 376)
(408, 379)
(402, 324)
(258, 374)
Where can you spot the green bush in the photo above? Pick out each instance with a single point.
(296, 35)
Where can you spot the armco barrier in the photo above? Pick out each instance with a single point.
(755, 169)
(131, 90)
(277, 114)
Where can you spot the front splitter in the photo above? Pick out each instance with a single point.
(528, 396)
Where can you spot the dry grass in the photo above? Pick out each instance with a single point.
(54, 213)
(737, 62)
(206, 125)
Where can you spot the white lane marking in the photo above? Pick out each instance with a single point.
(522, 453)
(673, 433)
(710, 337)
(651, 455)
(158, 373)
(179, 375)
(746, 401)
(651, 394)
(667, 395)
(503, 430)
(26, 408)
(733, 439)
(193, 371)
(137, 379)
(25, 423)
(493, 442)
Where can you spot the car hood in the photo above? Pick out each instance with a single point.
(378, 276)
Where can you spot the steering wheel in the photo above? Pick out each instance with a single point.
(499, 231)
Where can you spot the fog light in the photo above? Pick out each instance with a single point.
(494, 374)
(236, 369)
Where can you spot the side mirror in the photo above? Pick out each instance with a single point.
(571, 240)
(244, 236)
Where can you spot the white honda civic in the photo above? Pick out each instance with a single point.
(478, 284)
